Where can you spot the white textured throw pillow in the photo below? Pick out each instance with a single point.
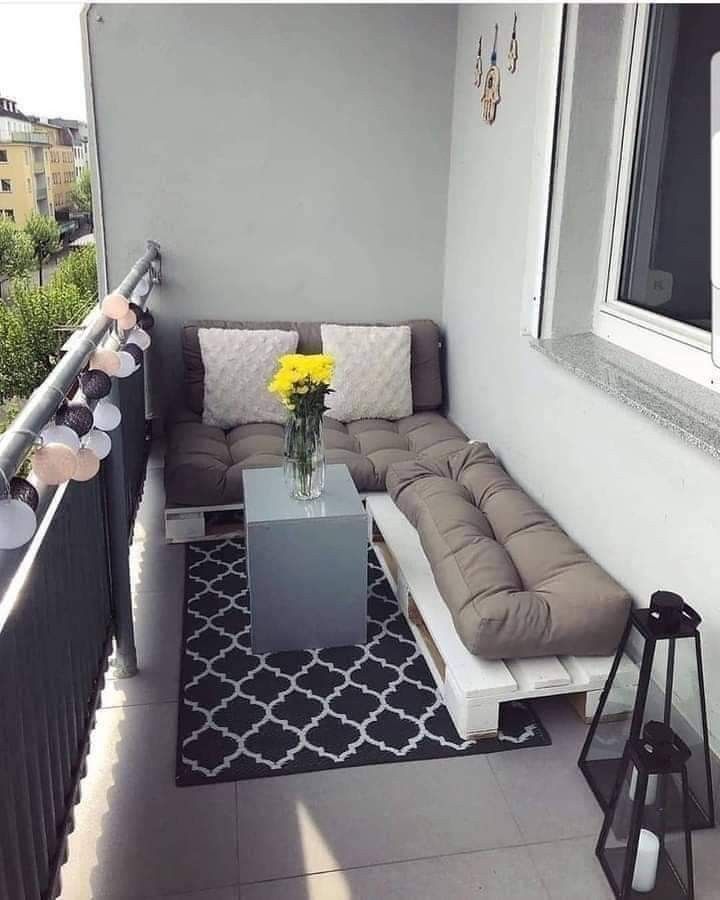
(372, 371)
(239, 363)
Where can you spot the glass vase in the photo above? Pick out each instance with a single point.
(304, 457)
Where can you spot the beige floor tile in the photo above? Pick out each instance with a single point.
(136, 834)
(301, 824)
(570, 870)
(158, 633)
(493, 875)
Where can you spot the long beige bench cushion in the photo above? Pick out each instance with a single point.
(515, 583)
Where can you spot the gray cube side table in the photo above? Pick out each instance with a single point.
(306, 563)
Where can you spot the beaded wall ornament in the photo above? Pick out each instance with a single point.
(491, 91)
(478, 65)
(512, 57)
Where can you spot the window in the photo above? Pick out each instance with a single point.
(657, 298)
(666, 254)
(3, 156)
(5, 186)
(8, 214)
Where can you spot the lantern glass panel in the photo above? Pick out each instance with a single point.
(613, 853)
(660, 865)
(686, 720)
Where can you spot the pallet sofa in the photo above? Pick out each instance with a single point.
(503, 605)
(203, 466)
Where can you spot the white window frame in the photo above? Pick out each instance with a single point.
(7, 181)
(684, 349)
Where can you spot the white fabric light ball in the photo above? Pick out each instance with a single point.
(142, 288)
(17, 524)
(88, 465)
(105, 360)
(61, 434)
(106, 415)
(127, 365)
(98, 442)
(115, 306)
(54, 463)
(140, 338)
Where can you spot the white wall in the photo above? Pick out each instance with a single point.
(643, 503)
(292, 161)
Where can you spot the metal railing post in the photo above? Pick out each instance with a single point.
(118, 515)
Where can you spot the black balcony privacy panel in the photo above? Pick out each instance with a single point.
(135, 436)
(53, 651)
(665, 640)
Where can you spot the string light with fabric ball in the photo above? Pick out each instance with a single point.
(105, 361)
(76, 416)
(128, 321)
(17, 518)
(54, 463)
(147, 321)
(135, 352)
(106, 415)
(95, 384)
(140, 338)
(98, 442)
(88, 465)
(127, 364)
(21, 489)
(60, 434)
(115, 306)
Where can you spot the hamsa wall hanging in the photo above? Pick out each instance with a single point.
(491, 90)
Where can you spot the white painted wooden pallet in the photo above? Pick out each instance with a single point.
(188, 523)
(473, 688)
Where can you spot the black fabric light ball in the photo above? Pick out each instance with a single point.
(135, 352)
(76, 416)
(21, 489)
(95, 384)
(147, 321)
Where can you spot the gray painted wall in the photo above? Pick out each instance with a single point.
(643, 503)
(291, 160)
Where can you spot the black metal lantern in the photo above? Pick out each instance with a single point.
(645, 846)
(668, 687)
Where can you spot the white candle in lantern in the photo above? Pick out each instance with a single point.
(646, 862)
(650, 794)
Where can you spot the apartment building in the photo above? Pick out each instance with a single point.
(23, 179)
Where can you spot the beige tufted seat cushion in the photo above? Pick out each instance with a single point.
(204, 464)
(514, 582)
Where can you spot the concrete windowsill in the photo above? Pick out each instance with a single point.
(682, 406)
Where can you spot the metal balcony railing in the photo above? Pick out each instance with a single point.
(29, 137)
(63, 597)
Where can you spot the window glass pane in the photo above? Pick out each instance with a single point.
(666, 262)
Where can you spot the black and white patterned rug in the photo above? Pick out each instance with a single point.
(245, 715)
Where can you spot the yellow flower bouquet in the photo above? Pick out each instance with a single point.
(301, 382)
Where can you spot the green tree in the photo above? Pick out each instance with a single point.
(81, 193)
(16, 250)
(35, 321)
(44, 233)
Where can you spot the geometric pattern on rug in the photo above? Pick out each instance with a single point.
(247, 715)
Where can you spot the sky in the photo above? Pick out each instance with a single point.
(41, 61)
